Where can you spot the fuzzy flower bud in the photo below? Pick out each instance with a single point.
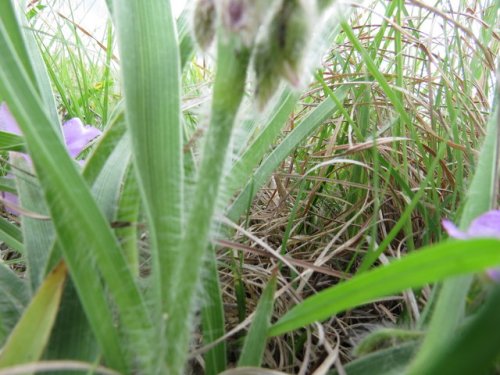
(280, 53)
(267, 72)
(243, 18)
(293, 35)
(204, 23)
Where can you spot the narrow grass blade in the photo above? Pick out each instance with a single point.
(11, 235)
(38, 234)
(389, 361)
(255, 344)
(292, 140)
(127, 213)
(426, 266)
(11, 142)
(212, 314)
(14, 297)
(186, 43)
(278, 115)
(28, 339)
(113, 133)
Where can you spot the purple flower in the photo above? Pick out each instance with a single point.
(486, 225)
(76, 137)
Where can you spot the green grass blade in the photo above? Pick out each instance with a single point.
(114, 132)
(72, 337)
(428, 265)
(38, 234)
(186, 43)
(128, 213)
(151, 76)
(278, 115)
(14, 297)
(11, 142)
(28, 339)
(212, 314)
(11, 235)
(477, 346)
(389, 361)
(255, 344)
(292, 140)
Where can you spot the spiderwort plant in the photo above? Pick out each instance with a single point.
(141, 323)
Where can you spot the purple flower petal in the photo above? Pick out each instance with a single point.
(7, 122)
(77, 136)
(494, 274)
(10, 201)
(453, 231)
(486, 225)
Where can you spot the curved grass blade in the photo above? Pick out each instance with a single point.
(212, 314)
(428, 265)
(255, 344)
(72, 337)
(278, 115)
(28, 339)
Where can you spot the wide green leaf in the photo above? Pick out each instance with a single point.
(151, 80)
(428, 265)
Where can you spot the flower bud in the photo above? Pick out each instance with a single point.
(204, 23)
(266, 70)
(280, 51)
(243, 17)
(292, 28)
